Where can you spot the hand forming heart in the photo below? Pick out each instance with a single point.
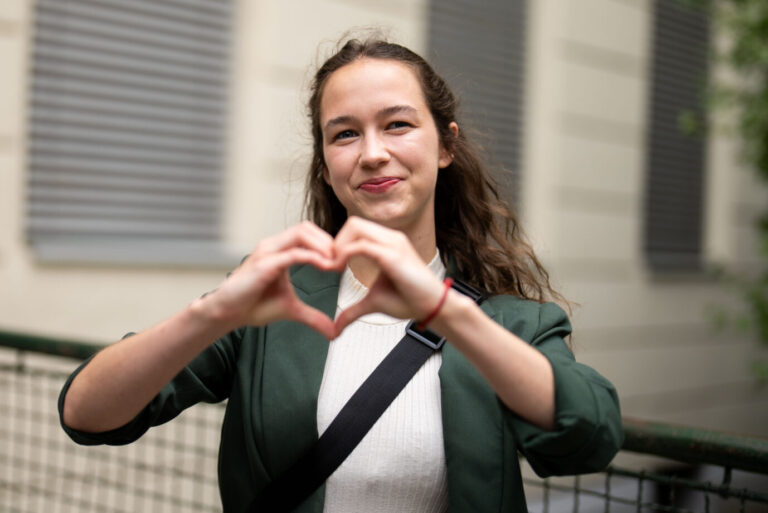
(259, 291)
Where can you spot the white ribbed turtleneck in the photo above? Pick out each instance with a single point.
(400, 464)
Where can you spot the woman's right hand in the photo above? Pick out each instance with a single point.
(259, 291)
(122, 379)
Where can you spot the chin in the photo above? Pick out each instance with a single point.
(385, 217)
(392, 216)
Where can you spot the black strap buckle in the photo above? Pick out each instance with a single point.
(469, 291)
(427, 337)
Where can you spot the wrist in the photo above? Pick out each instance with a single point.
(456, 307)
(206, 310)
(428, 317)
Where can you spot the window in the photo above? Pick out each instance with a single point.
(675, 162)
(127, 129)
(479, 48)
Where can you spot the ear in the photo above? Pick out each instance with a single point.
(446, 157)
(326, 176)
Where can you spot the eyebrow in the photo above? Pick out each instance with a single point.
(388, 111)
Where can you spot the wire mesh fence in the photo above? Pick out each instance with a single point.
(677, 489)
(173, 467)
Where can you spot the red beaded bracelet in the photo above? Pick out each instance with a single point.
(421, 326)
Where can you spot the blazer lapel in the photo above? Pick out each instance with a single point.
(294, 357)
(472, 432)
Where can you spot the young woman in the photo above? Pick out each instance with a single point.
(398, 199)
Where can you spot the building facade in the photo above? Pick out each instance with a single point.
(145, 147)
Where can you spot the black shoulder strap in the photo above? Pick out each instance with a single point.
(356, 418)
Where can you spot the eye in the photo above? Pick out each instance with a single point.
(394, 125)
(344, 134)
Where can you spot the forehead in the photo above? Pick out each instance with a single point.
(370, 84)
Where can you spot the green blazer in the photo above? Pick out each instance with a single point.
(271, 376)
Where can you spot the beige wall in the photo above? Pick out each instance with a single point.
(652, 336)
(582, 192)
(275, 47)
(278, 45)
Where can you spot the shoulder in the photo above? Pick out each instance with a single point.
(529, 320)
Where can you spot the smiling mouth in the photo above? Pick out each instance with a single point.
(379, 185)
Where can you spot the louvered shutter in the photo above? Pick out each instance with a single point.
(675, 163)
(479, 48)
(127, 123)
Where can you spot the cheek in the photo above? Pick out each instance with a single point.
(328, 162)
(422, 154)
(338, 164)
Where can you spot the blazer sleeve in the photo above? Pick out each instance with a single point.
(207, 378)
(588, 430)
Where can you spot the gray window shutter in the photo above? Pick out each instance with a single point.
(479, 48)
(127, 124)
(675, 163)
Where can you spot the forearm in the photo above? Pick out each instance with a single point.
(124, 377)
(519, 374)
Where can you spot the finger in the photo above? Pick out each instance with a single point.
(381, 254)
(409, 278)
(312, 236)
(252, 279)
(393, 243)
(267, 268)
(294, 256)
(312, 317)
(309, 236)
(354, 312)
(306, 235)
(356, 227)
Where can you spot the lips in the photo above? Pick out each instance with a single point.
(380, 184)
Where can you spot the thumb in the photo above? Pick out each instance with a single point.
(354, 312)
(312, 317)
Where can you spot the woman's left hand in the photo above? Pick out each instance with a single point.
(404, 288)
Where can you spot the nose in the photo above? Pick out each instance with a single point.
(373, 152)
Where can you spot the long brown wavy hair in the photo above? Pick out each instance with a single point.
(476, 231)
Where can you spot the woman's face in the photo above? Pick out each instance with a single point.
(380, 143)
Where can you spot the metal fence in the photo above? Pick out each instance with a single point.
(671, 486)
(664, 468)
(173, 467)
